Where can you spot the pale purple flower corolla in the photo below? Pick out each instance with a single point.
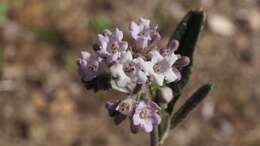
(134, 128)
(90, 66)
(172, 47)
(160, 67)
(144, 33)
(121, 79)
(134, 68)
(111, 45)
(146, 116)
(181, 62)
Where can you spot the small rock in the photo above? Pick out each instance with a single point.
(221, 25)
(254, 20)
(208, 110)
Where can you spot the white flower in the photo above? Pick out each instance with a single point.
(90, 66)
(146, 116)
(119, 75)
(134, 68)
(111, 45)
(160, 68)
(144, 33)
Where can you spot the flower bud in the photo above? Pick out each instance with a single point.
(182, 61)
(165, 94)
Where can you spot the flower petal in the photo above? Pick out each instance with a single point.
(159, 78)
(117, 35)
(174, 45)
(123, 46)
(134, 29)
(136, 119)
(148, 126)
(156, 119)
(155, 56)
(144, 23)
(182, 61)
(170, 76)
(126, 57)
(171, 58)
(154, 106)
(142, 42)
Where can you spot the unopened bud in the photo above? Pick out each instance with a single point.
(165, 94)
(182, 61)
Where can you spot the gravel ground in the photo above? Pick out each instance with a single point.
(43, 103)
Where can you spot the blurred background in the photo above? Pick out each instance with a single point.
(43, 103)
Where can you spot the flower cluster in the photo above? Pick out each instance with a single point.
(142, 63)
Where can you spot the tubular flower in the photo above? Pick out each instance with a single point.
(161, 67)
(144, 33)
(145, 116)
(111, 45)
(90, 66)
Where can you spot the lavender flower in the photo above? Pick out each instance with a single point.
(145, 116)
(161, 67)
(173, 46)
(144, 33)
(111, 45)
(134, 68)
(119, 75)
(90, 66)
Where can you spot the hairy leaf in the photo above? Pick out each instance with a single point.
(187, 33)
(190, 104)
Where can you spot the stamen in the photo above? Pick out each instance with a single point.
(144, 114)
(114, 49)
(93, 67)
(130, 67)
(157, 67)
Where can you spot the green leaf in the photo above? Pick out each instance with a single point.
(99, 24)
(187, 33)
(190, 104)
(154, 88)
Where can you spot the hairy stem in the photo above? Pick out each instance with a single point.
(155, 137)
